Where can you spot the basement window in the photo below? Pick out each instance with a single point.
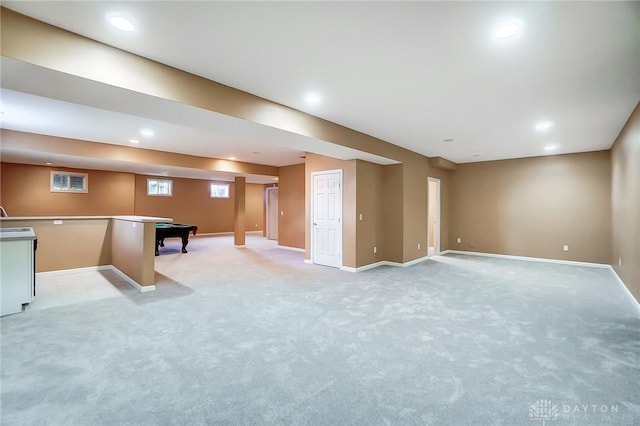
(219, 190)
(69, 182)
(160, 187)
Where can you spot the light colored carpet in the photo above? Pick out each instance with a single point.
(253, 336)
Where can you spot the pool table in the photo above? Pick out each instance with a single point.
(168, 230)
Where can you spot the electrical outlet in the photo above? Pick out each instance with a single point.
(619, 261)
(565, 247)
(375, 250)
(282, 213)
(418, 246)
(256, 225)
(458, 240)
(360, 216)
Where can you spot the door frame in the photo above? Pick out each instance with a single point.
(268, 209)
(312, 213)
(436, 229)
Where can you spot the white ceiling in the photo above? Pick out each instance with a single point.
(411, 73)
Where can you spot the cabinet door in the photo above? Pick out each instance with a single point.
(16, 275)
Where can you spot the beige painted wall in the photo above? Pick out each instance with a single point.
(133, 251)
(533, 206)
(25, 191)
(625, 204)
(369, 203)
(392, 224)
(192, 204)
(291, 188)
(72, 244)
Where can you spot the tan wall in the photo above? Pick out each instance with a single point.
(291, 189)
(533, 206)
(392, 212)
(369, 203)
(625, 202)
(192, 204)
(25, 191)
(73, 244)
(134, 250)
(254, 207)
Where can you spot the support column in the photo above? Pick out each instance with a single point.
(239, 224)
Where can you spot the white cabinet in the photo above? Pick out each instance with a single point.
(17, 274)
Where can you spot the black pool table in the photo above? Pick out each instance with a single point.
(168, 230)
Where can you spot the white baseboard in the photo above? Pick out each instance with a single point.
(557, 261)
(383, 263)
(308, 262)
(527, 259)
(240, 245)
(301, 250)
(625, 288)
(132, 283)
(73, 270)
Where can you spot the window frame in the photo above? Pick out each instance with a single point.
(220, 184)
(158, 181)
(69, 175)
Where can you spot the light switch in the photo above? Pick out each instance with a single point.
(360, 216)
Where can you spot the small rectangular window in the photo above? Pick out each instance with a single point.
(219, 190)
(69, 182)
(162, 187)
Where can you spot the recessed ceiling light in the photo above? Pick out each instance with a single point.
(543, 126)
(551, 147)
(146, 132)
(120, 22)
(313, 98)
(448, 140)
(49, 163)
(255, 152)
(134, 141)
(507, 30)
(476, 155)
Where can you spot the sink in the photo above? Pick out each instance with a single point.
(15, 229)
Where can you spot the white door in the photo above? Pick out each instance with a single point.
(326, 226)
(433, 216)
(272, 213)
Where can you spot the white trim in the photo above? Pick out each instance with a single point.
(529, 259)
(134, 284)
(301, 250)
(625, 288)
(240, 245)
(312, 192)
(384, 263)
(217, 234)
(268, 191)
(73, 270)
(438, 213)
(308, 262)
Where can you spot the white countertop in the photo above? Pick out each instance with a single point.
(130, 218)
(14, 234)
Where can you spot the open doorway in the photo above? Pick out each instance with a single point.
(433, 216)
(272, 213)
